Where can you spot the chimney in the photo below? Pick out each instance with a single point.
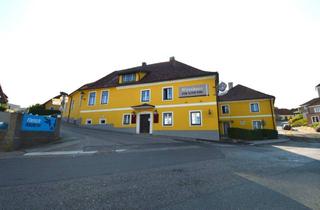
(230, 85)
(318, 89)
(144, 63)
(172, 59)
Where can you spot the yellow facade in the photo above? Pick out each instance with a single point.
(241, 116)
(122, 98)
(51, 106)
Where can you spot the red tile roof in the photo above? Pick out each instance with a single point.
(165, 71)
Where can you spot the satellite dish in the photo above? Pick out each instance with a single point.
(222, 86)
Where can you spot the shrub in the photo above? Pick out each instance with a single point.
(40, 110)
(301, 122)
(315, 125)
(318, 129)
(239, 133)
(296, 118)
(2, 109)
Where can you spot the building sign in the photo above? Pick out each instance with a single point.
(38, 123)
(194, 90)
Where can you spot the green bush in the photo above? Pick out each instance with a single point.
(40, 110)
(298, 121)
(315, 125)
(301, 122)
(257, 134)
(296, 118)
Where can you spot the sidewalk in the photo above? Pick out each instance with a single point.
(269, 141)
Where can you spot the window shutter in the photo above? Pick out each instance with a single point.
(155, 117)
(133, 119)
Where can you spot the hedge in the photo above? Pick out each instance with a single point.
(257, 134)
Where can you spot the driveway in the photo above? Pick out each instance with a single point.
(84, 139)
(148, 172)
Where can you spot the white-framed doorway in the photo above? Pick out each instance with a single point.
(150, 121)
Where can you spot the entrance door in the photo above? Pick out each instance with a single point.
(144, 123)
(226, 126)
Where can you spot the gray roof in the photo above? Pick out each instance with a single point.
(241, 92)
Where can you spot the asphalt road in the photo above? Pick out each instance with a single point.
(148, 172)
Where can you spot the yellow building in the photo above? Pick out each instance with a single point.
(56, 103)
(168, 98)
(243, 107)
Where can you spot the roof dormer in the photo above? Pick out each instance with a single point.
(132, 75)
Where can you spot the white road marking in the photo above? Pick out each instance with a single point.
(157, 149)
(120, 150)
(78, 152)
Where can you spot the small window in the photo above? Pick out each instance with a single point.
(145, 95)
(254, 107)
(167, 119)
(225, 109)
(128, 78)
(315, 119)
(88, 121)
(126, 119)
(317, 109)
(167, 94)
(195, 117)
(102, 121)
(104, 97)
(92, 98)
(257, 124)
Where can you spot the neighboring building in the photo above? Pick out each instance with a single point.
(168, 98)
(243, 107)
(15, 108)
(284, 114)
(53, 103)
(56, 103)
(311, 109)
(3, 98)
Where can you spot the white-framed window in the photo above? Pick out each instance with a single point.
(254, 107)
(92, 98)
(128, 78)
(88, 121)
(167, 93)
(317, 109)
(257, 124)
(104, 97)
(225, 109)
(145, 95)
(315, 119)
(102, 121)
(195, 118)
(167, 118)
(126, 119)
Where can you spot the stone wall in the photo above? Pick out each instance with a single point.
(14, 138)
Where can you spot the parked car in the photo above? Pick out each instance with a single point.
(286, 126)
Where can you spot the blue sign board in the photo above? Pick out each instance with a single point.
(38, 123)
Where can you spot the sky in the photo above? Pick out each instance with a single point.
(50, 46)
